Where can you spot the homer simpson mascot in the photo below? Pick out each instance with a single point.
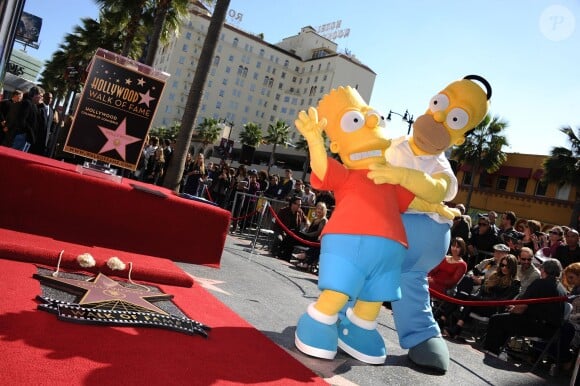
(418, 164)
(363, 243)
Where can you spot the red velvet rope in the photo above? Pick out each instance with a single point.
(292, 234)
(245, 216)
(495, 303)
(208, 194)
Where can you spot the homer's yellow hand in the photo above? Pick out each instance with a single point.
(309, 126)
(429, 188)
(442, 209)
(385, 174)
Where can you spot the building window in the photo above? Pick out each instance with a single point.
(563, 192)
(261, 52)
(188, 35)
(236, 40)
(216, 60)
(286, 62)
(485, 180)
(502, 183)
(181, 59)
(467, 178)
(225, 82)
(231, 58)
(521, 185)
(185, 48)
(228, 69)
(218, 105)
(258, 64)
(221, 93)
(541, 188)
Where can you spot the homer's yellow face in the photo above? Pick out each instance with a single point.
(356, 131)
(458, 108)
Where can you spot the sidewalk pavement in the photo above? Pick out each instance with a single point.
(271, 295)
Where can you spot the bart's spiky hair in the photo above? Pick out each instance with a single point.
(333, 104)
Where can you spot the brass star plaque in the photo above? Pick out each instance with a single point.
(105, 301)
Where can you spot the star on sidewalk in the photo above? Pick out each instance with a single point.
(117, 139)
(209, 284)
(146, 98)
(103, 290)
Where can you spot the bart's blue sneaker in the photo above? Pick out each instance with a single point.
(360, 339)
(316, 334)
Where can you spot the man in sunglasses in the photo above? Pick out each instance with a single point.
(527, 272)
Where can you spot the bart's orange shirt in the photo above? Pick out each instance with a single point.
(363, 207)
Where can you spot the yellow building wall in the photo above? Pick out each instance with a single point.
(546, 209)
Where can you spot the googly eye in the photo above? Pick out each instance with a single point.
(382, 119)
(352, 121)
(439, 102)
(457, 118)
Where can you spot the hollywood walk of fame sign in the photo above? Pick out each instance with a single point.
(105, 301)
(115, 110)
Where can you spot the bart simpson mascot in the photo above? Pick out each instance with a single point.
(418, 164)
(364, 242)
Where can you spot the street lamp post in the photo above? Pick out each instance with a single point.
(407, 118)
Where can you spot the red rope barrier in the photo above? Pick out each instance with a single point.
(495, 303)
(292, 234)
(208, 194)
(244, 216)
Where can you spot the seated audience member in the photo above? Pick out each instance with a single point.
(293, 218)
(327, 197)
(571, 281)
(480, 245)
(471, 282)
(536, 319)
(506, 227)
(501, 285)
(527, 272)
(313, 232)
(461, 209)
(570, 252)
(555, 240)
(460, 228)
(514, 243)
(533, 237)
(451, 269)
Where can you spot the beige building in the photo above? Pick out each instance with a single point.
(252, 80)
(517, 186)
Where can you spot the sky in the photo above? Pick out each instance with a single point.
(528, 50)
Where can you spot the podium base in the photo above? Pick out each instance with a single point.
(99, 171)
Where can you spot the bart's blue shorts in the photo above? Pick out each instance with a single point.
(367, 268)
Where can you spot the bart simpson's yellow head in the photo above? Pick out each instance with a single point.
(458, 108)
(356, 131)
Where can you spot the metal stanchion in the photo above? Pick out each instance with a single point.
(258, 227)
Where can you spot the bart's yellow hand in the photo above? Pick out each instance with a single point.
(429, 188)
(309, 126)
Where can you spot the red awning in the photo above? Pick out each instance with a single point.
(538, 174)
(514, 171)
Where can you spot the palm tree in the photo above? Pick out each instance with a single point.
(278, 134)
(482, 149)
(175, 170)
(563, 167)
(131, 20)
(166, 21)
(251, 135)
(209, 131)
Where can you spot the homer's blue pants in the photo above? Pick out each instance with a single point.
(428, 243)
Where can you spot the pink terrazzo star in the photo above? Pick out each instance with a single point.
(117, 139)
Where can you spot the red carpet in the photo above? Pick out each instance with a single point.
(44, 250)
(41, 196)
(37, 349)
